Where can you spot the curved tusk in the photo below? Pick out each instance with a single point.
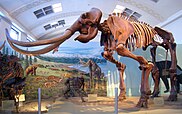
(67, 34)
(37, 52)
(1, 47)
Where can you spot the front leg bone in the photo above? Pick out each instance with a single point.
(121, 67)
(122, 86)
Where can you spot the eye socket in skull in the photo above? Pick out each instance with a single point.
(84, 29)
(84, 15)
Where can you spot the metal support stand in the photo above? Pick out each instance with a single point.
(39, 100)
(116, 101)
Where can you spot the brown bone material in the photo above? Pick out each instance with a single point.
(1, 47)
(86, 24)
(121, 34)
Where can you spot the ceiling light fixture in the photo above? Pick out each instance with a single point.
(126, 12)
(57, 7)
(54, 24)
(119, 9)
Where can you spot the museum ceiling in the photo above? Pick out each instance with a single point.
(43, 19)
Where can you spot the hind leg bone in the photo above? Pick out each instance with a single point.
(146, 69)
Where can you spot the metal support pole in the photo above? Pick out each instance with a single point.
(39, 100)
(116, 101)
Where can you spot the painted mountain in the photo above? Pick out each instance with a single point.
(72, 53)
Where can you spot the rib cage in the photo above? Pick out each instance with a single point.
(142, 37)
(143, 34)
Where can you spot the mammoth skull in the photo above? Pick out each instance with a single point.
(86, 24)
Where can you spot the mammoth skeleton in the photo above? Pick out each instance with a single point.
(122, 36)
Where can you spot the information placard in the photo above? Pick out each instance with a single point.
(92, 97)
(8, 104)
(21, 97)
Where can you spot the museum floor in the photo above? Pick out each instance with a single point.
(103, 105)
(106, 106)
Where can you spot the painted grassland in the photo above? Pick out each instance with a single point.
(50, 77)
